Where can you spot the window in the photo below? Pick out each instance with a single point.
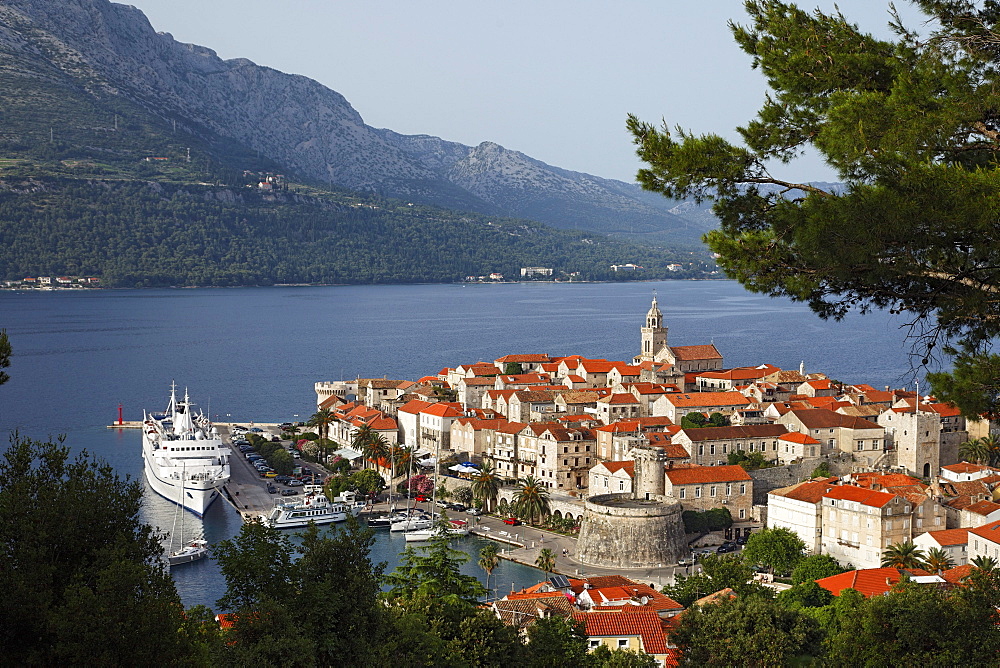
(743, 488)
(683, 493)
(697, 492)
(594, 643)
(711, 490)
(623, 642)
(743, 513)
(621, 485)
(729, 489)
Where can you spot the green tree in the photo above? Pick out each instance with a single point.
(815, 567)
(821, 471)
(513, 369)
(718, 572)
(903, 555)
(531, 499)
(432, 571)
(806, 594)
(694, 421)
(603, 657)
(556, 641)
(908, 124)
(5, 353)
(984, 563)
(463, 495)
(368, 483)
(488, 561)
(778, 549)
(919, 625)
(743, 631)
(322, 419)
(82, 578)
(718, 420)
(486, 486)
(546, 560)
(974, 451)
(281, 462)
(258, 567)
(938, 560)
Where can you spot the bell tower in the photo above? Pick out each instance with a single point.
(654, 334)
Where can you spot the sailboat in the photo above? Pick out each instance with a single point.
(433, 526)
(193, 550)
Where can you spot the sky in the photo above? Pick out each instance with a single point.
(553, 79)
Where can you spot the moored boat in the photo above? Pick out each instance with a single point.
(314, 507)
(194, 550)
(184, 459)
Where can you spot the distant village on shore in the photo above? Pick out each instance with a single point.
(889, 463)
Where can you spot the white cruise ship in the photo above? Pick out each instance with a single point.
(183, 455)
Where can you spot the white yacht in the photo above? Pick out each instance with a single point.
(183, 456)
(412, 523)
(313, 507)
(455, 529)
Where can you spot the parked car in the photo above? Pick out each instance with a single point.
(283, 479)
(513, 521)
(285, 425)
(288, 492)
(275, 439)
(295, 482)
(442, 504)
(257, 430)
(742, 540)
(420, 498)
(686, 561)
(727, 547)
(473, 511)
(271, 489)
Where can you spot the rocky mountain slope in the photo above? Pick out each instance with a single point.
(109, 51)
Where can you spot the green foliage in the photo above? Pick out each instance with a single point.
(531, 499)
(281, 461)
(919, 625)
(908, 124)
(602, 657)
(5, 353)
(368, 483)
(431, 572)
(745, 631)
(718, 572)
(486, 486)
(513, 369)
(715, 519)
(805, 595)
(750, 461)
(321, 609)
(462, 494)
(778, 549)
(694, 421)
(821, 471)
(815, 567)
(718, 420)
(546, 560)
(82, 576)
(556, 641)
(903, 555)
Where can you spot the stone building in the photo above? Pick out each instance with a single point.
(706, 487)
(859, 524)
(655, 347)
(710, 446)
(798, 508)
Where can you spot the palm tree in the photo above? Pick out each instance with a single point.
(362, 437)
(377, 448)
(984, 563)
(546, 560)
(488, 560)
(322, 419)
(903, 555)
(991, 444)
(974, 451)
(531, 499)
(486, 486)
(938, 560)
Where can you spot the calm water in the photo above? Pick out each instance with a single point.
(254, 354)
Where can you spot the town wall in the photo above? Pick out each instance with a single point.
(769, 479)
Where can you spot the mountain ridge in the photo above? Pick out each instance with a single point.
(112, 50)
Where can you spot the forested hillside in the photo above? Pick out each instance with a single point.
(135, 233)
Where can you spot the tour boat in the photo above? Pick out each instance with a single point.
(315, 507)
(183, 456)
(455, 529)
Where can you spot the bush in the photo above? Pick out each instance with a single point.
(715, 519)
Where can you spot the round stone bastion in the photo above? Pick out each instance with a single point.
(619, 531)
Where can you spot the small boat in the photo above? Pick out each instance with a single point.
(412, 523)
(455, 529)
(193, 551)
(314, 507)
(386, 521)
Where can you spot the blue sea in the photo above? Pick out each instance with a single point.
(253, 354)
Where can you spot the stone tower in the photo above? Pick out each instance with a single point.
(650, 477)
(643, 529)
(654, 334)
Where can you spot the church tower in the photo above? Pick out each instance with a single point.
(654, 334)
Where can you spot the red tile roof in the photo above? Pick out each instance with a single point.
(957, 574)
(796, 437)
(539, 358)
(643, 623)
(695, 399)
(810, 491)
(950, 536)
(868, 582)
(984, 508)
(706, 474)
(865, 497)
(414, 406)
(682, 353)
(990, 532)
(731, 433)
